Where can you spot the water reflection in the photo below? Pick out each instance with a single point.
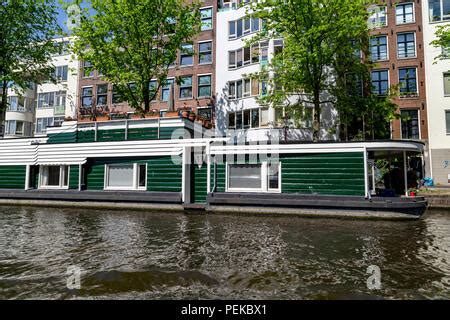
(163, 255)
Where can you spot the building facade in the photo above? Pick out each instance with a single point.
(56, 101)
(437, 13)
(397, 50)
(238, 112)
(32, 110)
(20, 114)
(194, 67)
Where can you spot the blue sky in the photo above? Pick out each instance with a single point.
(62, 19)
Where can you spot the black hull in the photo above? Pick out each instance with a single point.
(414, 207)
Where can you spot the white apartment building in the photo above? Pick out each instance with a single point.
(32, 110)
(238, 113)
(437, 13)
(56, 102)
(19, 117)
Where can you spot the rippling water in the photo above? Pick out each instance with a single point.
(135, 255)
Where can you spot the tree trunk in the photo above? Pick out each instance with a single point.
(3, 103)
(317, 114)
(146, 96)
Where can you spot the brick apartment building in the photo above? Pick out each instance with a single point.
(196, 72)
(397, 49)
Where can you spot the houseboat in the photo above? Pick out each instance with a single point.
(174, 163)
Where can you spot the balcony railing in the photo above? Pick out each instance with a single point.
(60, 110)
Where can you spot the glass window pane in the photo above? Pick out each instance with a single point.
(447, 121)
(274, 175)
(142, 175)
(245, 176)
(447, 83)
(120, 176)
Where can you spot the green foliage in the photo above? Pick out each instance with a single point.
(321, 39)
(132, 42)
(28, 28)
(442, 41)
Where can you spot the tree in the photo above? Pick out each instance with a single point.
(321, 38)
(28, 28)
(133, 42)
(442, 41)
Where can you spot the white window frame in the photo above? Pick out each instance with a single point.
(413, 10)
(264, 179)
(387, 47)
(418, 122)
(212, 18)
(417, 80)
(389, 79)
(199, 52)
(135, 186)
(415, 46)
(61, 178)
(210, 85)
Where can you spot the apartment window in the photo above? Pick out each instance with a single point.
(406, 45)
(408, 81)
(102, 95)
(439, 10)
(250, 118)
(447, 84)
(377, 17)
(61, 73)
(447, 121)
(46, 100)
(165, 91)
(205, 52)
(204, 86)
(17, 128)
(241, 89)
(410, 124)
(264, 48)
(263, 88)
(20, 104)
(153, 88)
(380, 82)
(42, 124)
(187, 55)
(54, 176)
(278, 46)
(207, 18)
(116, 96)
(404, 13)
(86, 97)
(88, 71)
(243, 27)
(205, 113)
(378, 48)
(186, 87)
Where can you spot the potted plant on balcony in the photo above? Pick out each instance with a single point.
(102, 116)
(84, 118)
(152, 115)
(412, 192)
(192, 115)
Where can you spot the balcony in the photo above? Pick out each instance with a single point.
(59, 110)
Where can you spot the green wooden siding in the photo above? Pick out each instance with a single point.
(200, 183)
(162, 174)
(143, 134)
(12, 177)
(95, 176)
(221, 183)
(328, 174)
(74, 177)
(85, 136)
(64, 137)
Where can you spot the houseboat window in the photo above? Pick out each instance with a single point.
(120, 176)
(273, 170)
(142, 175)
(54, 176)
(245, 176)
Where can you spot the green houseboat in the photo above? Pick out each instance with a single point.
(172, 163)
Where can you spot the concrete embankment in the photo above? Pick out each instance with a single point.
(438, 201)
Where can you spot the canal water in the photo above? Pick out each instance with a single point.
(136, 255)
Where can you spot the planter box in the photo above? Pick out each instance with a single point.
(102, 118)
(173, 114)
